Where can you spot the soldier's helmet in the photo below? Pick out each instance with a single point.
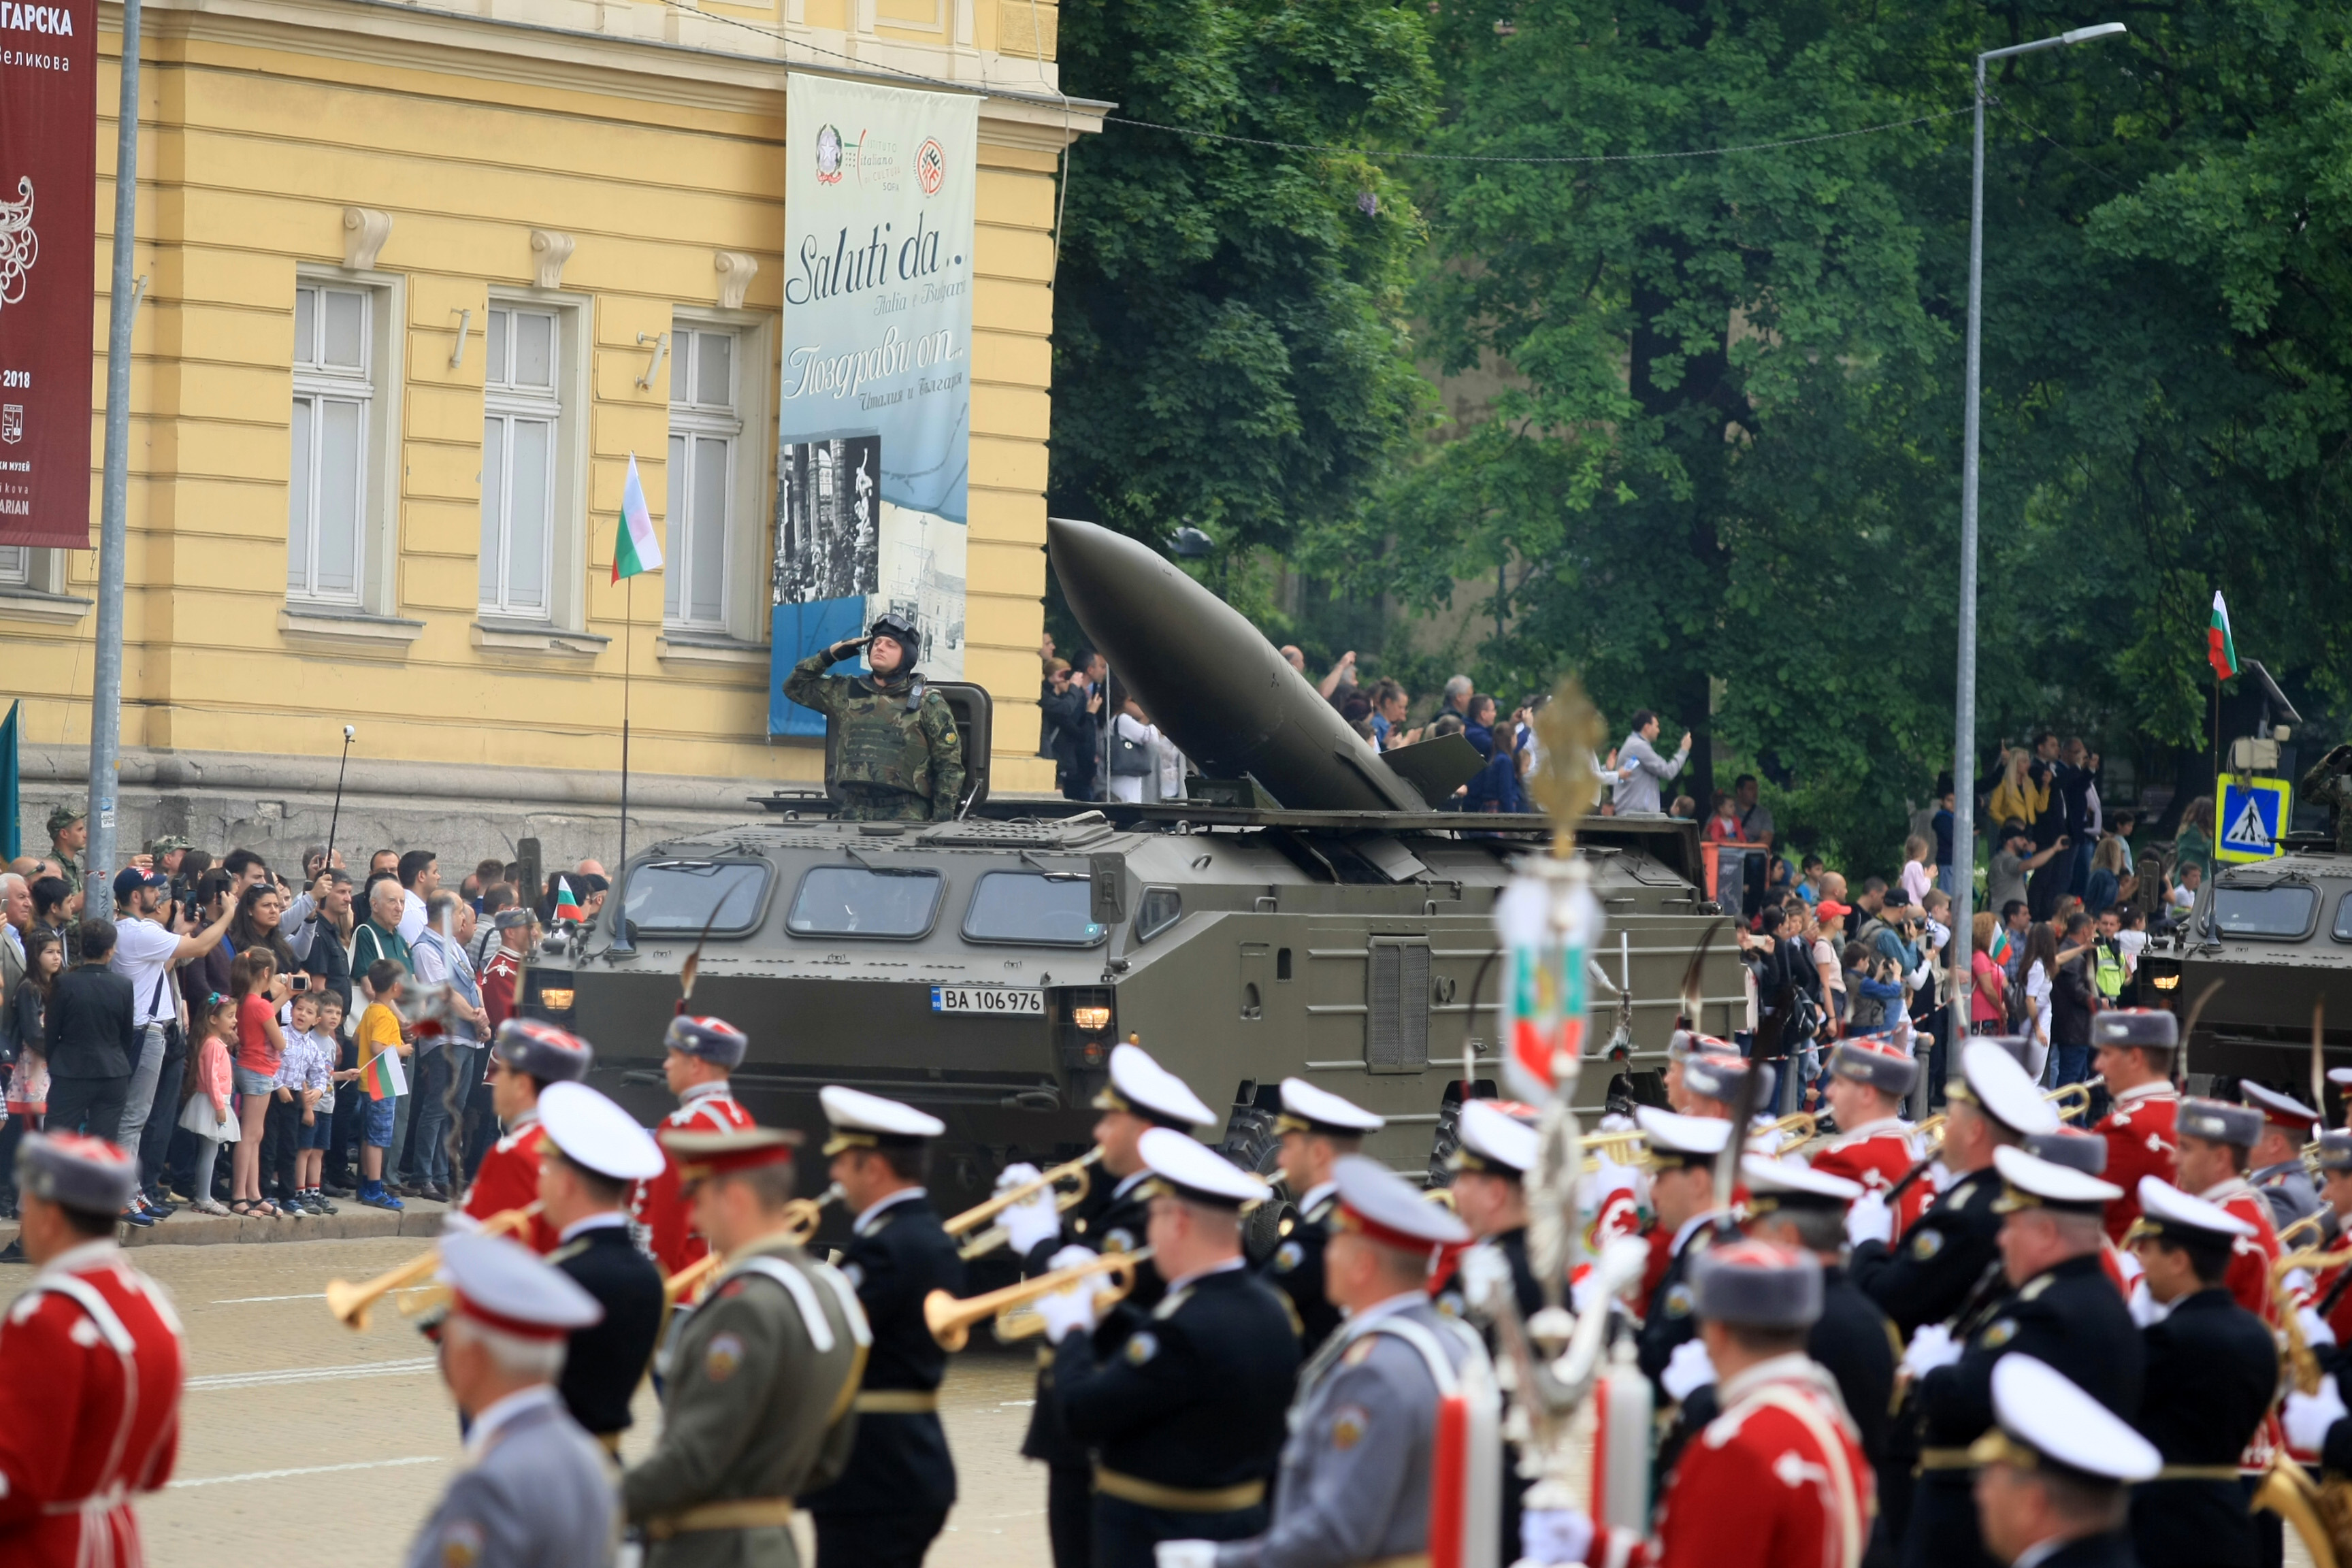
(901, 629)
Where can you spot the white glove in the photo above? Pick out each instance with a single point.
(1942, 1176)
(1486, 1276)
(1931, 1347)
(1034, 1220)
(2315, 1331)
(1068, 1311)
(2298, 1280)
(1688, 1370)
(2145, 1309)
(1184, 1554)
(2308, 1416)
(1868, 1218)
(1551, 1536)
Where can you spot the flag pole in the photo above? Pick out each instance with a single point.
(628, 627)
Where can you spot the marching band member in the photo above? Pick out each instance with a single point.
(1316, 1126)
(1777, 1480)
(2061, 1307)
(2212, 1369)
(1711, 1079)
(1869, 1078)
(2277, 1155)
(1490, 1169)
(533, 1489)
(1680, 1046)
(1360, 1480)
(1139, 1095)
(2132, 1052)
(2331, 1301)
(2052, 1491)
(2087, 1152)
(892, 1501)
(697, 1056)
(1183, 1404)
(2215, 1140)
(1682, 1151)
(592, 1154)
(756, 1409)
(525, 1057)
(89, 1409)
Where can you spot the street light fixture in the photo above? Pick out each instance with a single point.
(1964, 849)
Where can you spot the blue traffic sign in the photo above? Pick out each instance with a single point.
(2254, 812)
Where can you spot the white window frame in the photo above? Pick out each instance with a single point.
(317, 383)
(751, 488)
(564, 405)
(379, 562)
(695, 423)
(16, 568)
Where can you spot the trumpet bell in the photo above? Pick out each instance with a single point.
(350, 1304)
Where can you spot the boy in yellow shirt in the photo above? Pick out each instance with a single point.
(379, 1032)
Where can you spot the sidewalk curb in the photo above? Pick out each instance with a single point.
(355, 1223)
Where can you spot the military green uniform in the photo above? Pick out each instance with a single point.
(757, 1413)
(896, 760)
(2332, 787)
(60, 819)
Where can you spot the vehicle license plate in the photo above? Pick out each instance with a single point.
(991, 999)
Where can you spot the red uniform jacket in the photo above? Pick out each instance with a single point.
(2339, 1316)
(508, 1179)
(663, 1226)
(2140, 1143)
(499, 977)
(1878, 1155)
(89, 1410)
(1777, 1480)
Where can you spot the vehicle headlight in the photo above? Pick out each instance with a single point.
(2165, 982)
(556, 998)
(1091, 1017)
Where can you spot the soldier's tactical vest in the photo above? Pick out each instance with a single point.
(882, 744)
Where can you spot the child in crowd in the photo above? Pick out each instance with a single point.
(28, 1079)
(205, 1114)
(254, 981)
(306, 1072)
(379, 1034)
(319, 1127)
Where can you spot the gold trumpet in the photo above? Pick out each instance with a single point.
(2299, 1357)
(801, 1217)
(351, 1303)
(2320, 1511)
(995, 1236)
(1932, 1128)
(951, 1320)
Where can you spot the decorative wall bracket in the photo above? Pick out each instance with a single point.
(736, 271)
(661, 346)
(364, 231)
(550, 249)
(457, 354)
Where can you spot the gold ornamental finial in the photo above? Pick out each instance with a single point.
(1566, 784)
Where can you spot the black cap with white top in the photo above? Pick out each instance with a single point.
(1494, 1141)
(1141, 1087)
(1306, 1108)
(592, 1132)
(2044, 1423)
(862, 1120)
(1181, 1166)
(1993, 1081)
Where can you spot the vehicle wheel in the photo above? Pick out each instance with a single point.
(1251, 1143)
(1443, 1141)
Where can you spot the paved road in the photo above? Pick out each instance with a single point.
(303, 1442)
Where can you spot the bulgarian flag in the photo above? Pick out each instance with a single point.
(567, 906)
(2221, 652)
(382, 1077)
(636, 548)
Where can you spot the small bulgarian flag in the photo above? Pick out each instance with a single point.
(383, 1077)
(636, 548)
(2221, 652)
(567, 906)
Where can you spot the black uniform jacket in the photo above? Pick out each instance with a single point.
(1667, 1321)
(2212, 1369)
(1297, 1270)
(606, 1360)
(901, 1461)
(1927, 1277)
(2110, 1551)
(1110, 1219)
(2069, 1316)
(1854, 1340)
(1190, 1394)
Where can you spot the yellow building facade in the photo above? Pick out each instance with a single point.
(396, 257)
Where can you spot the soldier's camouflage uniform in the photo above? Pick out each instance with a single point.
(2332, 788)
(892, 761)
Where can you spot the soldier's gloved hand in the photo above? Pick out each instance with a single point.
(1931, 1347)
(2315, 1331)
(1486, 1276)
(1689, 1370)
(1034, 1219)
(1184, 1554)
(2298, 1282)
(1554, 1536)
(1868, 1218)
(1073, 1310)
(2307, 1416)
(845, 648)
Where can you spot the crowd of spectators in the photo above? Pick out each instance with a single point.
(225, 1003)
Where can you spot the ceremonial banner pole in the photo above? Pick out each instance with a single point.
(635, 548)
(628, 638)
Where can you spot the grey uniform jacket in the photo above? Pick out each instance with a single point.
(536, 1497)
(757, 1406)
(2287, 1189)
(1354, 1484)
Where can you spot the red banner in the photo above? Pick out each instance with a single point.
(48, 197)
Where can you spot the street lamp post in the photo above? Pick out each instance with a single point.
(1964, 726)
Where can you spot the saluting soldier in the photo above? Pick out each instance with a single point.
(756, 1409)
(1316, 1126)
(1359, 1483)
(896, 752)
(2216, 1142)
(2277, 1155)
(1869, 1080)
(2055, 1466)
(89, 1402)
(2061, 1307)
(698, 1054)
(534, 1487)
(1490, 1166)
(1183, 1404)
(593, 1150)
(526, 1056)
(1139, 1095)
(2212, 1368)
(893, 1498)
(2132, 1051)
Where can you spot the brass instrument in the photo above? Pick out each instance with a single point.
(351, 1303)
(992, 1237)
(690, 1278)
(801, 1217)
(2299, 1359)
(1932, 1128)
(2314, 1223)
(951, 1320)
(2320, 1511)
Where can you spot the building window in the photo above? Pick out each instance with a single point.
(705, 428)
(523, 407)
(15, 566)
(327, 499)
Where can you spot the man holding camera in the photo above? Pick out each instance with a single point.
(896, 750)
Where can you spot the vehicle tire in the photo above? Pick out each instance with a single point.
(1443, 1139)
(1251, 1143)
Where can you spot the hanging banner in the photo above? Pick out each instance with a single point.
(48, 198)
(875, 429)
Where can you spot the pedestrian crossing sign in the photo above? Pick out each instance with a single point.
(2254, 812)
